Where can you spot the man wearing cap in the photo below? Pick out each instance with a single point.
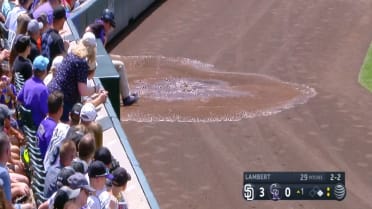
(79, 181)
(34, 31)
(22, 45)
(101, 29)
(47, 126)
(63, 197)
(34, 94)
(120, 177)
(98, 173)
(52, 43)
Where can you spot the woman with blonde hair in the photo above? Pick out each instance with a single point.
(71, 77)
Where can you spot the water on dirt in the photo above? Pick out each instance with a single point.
(185, 90)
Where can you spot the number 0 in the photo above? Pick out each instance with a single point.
(287, 192)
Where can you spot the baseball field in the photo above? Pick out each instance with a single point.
(229, 86)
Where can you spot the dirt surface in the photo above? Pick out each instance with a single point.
(319, 43)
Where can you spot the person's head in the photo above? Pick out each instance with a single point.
(103, 154)
(55, 104)
(98, 173)
(5, 114)
(22, 23)
(63, 175)
(108, 19)
(40, 66)
(76, 133)
(67, 152)
(86, 47)
(43, 18)
(64, 195)
(96, 129)
(78, 181)
(57, 61)
(59, 17)
(75, 114)
(88, 113)
(120, 177)
(34, 29)
(87, 147)
(22, 44)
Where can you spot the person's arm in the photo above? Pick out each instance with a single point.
(84, 90)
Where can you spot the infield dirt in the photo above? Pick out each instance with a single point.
(319, 43)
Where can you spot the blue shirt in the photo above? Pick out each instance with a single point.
(34, 96)
(50, 185)
(44, 134)
(4, 175)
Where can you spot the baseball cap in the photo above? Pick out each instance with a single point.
(98, 169)
(40, 63)
(109, 16)
(57, 62)
(63, 195)
(5, 112)
(104, 155)
(89, 39)
(120, 176)
(76, 108)
(21, 43)
(63, 175)
(59, 13)
(34, 26)
(78, 180)
(88, 112)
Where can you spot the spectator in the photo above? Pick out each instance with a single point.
(101, 29)
(119, 184)
(71, 77)
(95, 99)
(51, 42)
(67, 154)
(46, 7)
(4, 174)
(9, 92)
(75, 114)
(78, 181)
(22, 64)
(98, 173)
(97, 131)
(104, 155)
(46, 128)
(4, 204)
(61, 133)
(65, 195)
(53, 69)
(34, 94)
(7, 6)
(86, 152)
(11, 19)
(34, 31)
(62, 177)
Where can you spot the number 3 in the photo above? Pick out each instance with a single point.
(262, 192)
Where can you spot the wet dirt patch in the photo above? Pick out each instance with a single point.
(186, 90)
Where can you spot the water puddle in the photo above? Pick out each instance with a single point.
(185, 90)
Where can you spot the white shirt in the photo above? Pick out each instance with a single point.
(52, 153)
(99, 201)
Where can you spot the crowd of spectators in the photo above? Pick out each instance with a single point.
(51, 78)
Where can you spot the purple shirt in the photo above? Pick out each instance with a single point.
(34, 96)
(45, 8)
(44, 134)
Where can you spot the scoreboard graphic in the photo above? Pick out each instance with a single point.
(294, 186)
